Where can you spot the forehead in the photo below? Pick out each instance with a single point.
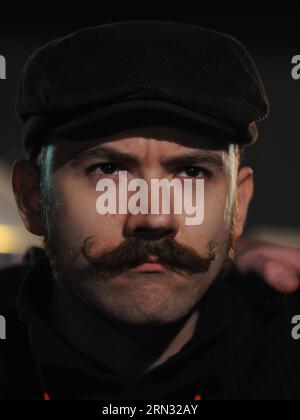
(143, 142)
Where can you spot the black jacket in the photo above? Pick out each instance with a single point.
(242, 348)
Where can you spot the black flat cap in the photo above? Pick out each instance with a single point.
(123, 75)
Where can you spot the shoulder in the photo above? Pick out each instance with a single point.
(10, 281)
(265, 304)
(264, 321)
(16, 365)
(269, 316)
(12, 277)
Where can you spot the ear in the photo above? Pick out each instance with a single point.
(26, 188)
(245, 188)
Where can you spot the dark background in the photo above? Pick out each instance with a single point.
(272, 36)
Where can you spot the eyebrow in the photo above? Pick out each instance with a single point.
(197, 158)
(103, 153)
(109, 154)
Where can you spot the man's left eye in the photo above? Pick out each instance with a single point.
(194, 172)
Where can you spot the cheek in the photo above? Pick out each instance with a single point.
(217, 220)
(218, 212)
(74, 216)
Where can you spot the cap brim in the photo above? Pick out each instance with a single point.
(132, 114)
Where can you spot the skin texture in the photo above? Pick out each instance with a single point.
(63, 211)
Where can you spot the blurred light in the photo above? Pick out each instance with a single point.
(15, 239)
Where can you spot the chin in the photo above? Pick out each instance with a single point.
(145, 299)
(146, 305)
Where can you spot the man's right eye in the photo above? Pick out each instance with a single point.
(106, 168)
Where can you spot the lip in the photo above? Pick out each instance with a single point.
(152, 266)
(148, 267)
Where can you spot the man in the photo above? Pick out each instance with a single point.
(141, 305)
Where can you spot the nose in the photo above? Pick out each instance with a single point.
(150, 227)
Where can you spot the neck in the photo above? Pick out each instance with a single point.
(142, 347)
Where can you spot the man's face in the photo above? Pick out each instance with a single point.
(90, 252)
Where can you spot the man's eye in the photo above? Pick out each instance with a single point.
(107, 168)
(195, 172)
